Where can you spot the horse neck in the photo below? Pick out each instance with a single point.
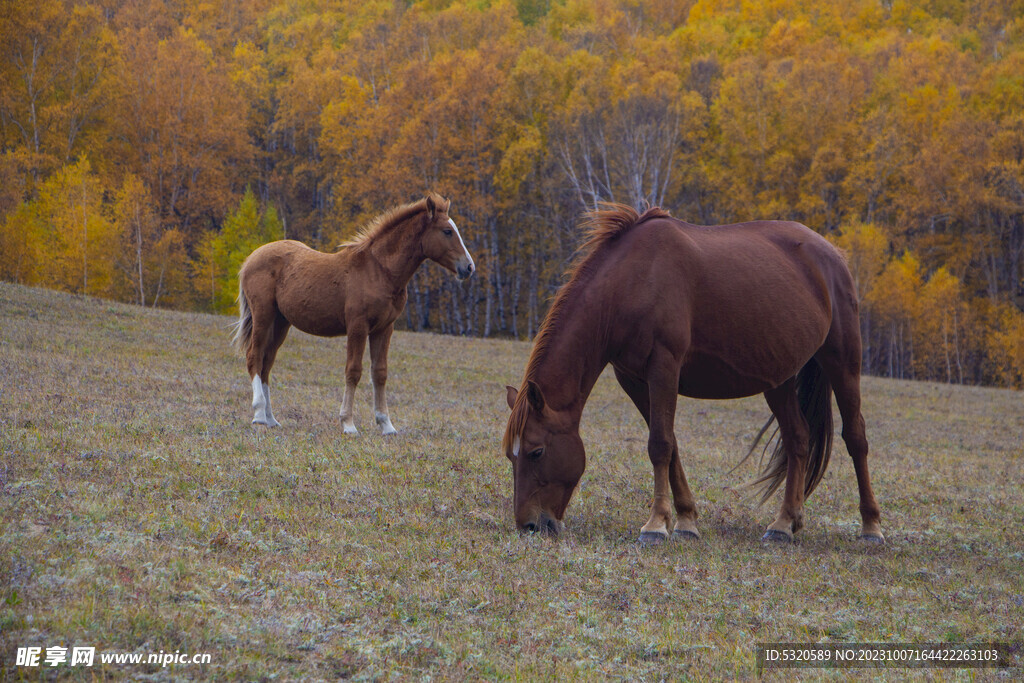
(397, 250)
(573, 355)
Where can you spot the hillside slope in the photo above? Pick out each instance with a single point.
(142, 512)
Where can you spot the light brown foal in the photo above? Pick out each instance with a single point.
(358, 291)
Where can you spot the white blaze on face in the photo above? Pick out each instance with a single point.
(459, 235)
(516, 445)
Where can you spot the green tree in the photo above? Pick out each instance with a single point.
(221, 254)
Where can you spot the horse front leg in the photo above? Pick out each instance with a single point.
(353, 372)
(663, 384)
(380, 341)
(686, 507)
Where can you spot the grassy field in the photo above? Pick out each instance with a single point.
(142, 512)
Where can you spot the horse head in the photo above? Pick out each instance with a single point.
(441, 241)
(547, 456)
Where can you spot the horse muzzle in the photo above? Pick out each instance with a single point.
(463, 271)
(543, 524)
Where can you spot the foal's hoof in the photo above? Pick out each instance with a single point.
(776, 536)
(875, 539)
(685, 535)
(650, 538)
(384, 425)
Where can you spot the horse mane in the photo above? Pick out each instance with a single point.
(388, 220)
(600, 227)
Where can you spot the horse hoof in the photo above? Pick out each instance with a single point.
(686, 535)
(351, 431)
(649, 538)
(872, 538)
(775, 536)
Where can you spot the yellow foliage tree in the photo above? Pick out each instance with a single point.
(21, 239)
(79, 243)
(894, 301)
(942, 330)
(1005, 344)
(895, 128)
(151, 260)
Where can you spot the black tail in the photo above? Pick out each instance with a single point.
(815, 396)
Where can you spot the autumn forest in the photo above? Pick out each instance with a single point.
(147, 146)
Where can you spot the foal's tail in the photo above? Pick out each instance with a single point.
(814, 394)
(243, 328)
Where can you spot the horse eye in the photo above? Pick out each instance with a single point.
(447, 233)
(535, 454)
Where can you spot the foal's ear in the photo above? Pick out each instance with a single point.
(510, 396)
(431, 207)
(534, 396)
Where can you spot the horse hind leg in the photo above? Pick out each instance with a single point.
(846, 387)
(261, 338)
(277, 337)
(795, 435)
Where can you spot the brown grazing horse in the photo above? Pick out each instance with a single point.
(359, 291)
(707, 312)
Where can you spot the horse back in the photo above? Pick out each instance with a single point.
(743, 305)
(304, 286)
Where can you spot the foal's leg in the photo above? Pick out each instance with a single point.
(379, 343)
(353, 372)
(682, 497)
(846, 387)
(795, 441)
(263, 315)
(280, 331)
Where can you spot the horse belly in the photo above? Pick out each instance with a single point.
(322, 328)
(313, 310)
(708, 376)
(747, 348)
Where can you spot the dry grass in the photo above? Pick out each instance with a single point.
(142, 512)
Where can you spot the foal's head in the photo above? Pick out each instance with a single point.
(441, 241)
(547, 458)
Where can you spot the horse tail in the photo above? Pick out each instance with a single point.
(243, 328)
(814, 394)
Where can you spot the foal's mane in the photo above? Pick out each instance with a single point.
(601, 227)
(389, 219)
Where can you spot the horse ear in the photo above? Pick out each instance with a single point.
(510, 396)
(431, 207)
(534, 396)
(448, 206)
